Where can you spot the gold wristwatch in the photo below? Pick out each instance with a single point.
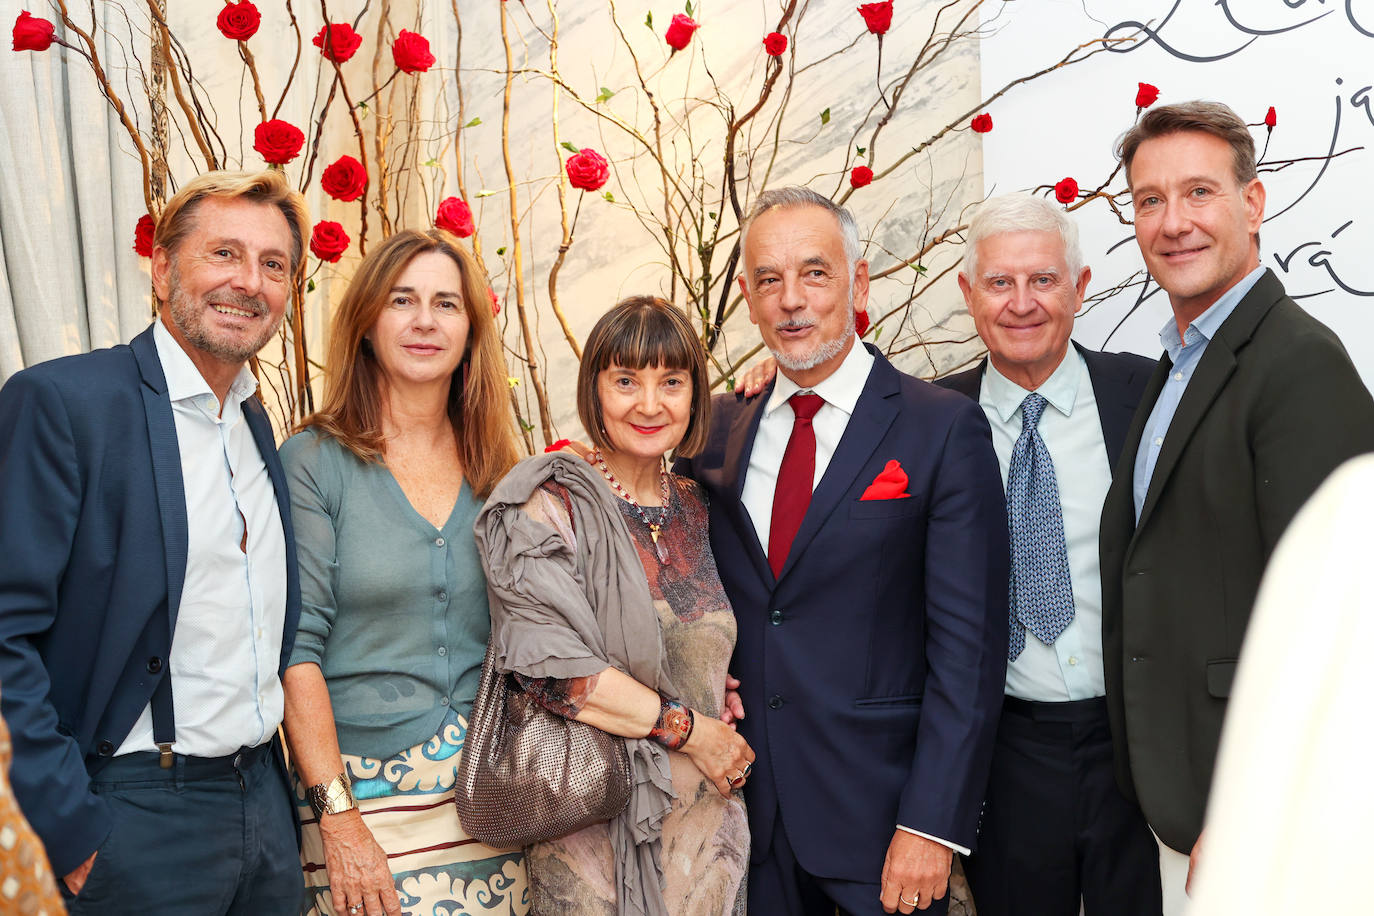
(333, 797)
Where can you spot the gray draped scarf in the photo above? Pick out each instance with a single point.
(563, 612)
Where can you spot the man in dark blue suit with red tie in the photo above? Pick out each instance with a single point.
(858, 522)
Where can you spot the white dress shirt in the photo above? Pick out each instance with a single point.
(1071, 668)
(227, 643)
(840, 390)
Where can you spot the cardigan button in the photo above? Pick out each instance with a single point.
(154, 665)
(775, 702)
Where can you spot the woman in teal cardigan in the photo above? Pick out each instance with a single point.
(386, 479)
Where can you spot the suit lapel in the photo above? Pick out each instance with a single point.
(1213, 370)
(166, 460)
(261, 428)
(739, 445)
(1115, 405)
(873, 414)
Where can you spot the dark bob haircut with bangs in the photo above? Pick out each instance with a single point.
(636, 333)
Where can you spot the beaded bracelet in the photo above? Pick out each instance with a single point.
(674, 725)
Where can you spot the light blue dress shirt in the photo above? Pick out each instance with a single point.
(1070, 668)
(1185, 355)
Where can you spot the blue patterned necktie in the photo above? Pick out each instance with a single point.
(1041, 592)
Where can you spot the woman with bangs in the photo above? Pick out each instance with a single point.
(607, 608)
(386, 479)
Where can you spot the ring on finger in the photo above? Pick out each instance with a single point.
(738, 780)
(748, 768)
(915, 898)
(355, 908)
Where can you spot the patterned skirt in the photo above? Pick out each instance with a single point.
(407, 802)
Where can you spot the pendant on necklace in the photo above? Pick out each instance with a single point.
(660, 548)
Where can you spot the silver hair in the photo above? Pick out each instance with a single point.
(1021, 213)
(796, 196)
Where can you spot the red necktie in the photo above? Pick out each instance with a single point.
(795, 477)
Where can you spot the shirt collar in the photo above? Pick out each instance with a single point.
(1060, 389)
(840, 388)
(184, 380)
(1204, 326)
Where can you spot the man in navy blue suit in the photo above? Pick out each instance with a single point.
(858, 523)
(148, 593)
(1056, 829)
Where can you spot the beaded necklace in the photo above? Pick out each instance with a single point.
(654, 526)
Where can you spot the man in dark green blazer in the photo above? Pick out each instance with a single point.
(1252, 405)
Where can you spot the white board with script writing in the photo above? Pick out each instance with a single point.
(1308, 59)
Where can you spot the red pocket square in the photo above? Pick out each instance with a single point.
(890, 484)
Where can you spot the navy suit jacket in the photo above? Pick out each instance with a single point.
(93, 533)
(1118, 381)
(872, 669)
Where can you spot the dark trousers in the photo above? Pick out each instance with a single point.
(207, 836)
(1055, 827)
(779, 886)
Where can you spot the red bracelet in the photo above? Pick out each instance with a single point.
(674, 725)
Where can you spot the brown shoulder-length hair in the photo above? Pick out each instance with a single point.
(637, 332)
(478, 400)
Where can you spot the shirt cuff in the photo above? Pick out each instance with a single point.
(955, 846)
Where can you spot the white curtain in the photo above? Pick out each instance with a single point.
(70, 195)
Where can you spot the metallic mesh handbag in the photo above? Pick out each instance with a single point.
(528, 774)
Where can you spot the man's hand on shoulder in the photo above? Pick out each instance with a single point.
(76, 878)
(756, 377)
(916, 869)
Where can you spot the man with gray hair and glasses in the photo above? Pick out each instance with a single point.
(858, 524)
(1055, 830)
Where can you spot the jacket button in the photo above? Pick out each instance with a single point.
(154, 665)
(775, 702)
(775, 617)
(104, 749)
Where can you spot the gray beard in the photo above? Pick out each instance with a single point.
(190, 321)
(825, 351)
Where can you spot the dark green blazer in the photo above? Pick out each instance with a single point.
(1274, 406)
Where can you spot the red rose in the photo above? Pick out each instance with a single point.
(1146, 95)
(455, 216)
(877, 16)
(588, 170)
(346, 179)
(343, 41)
(1271, 118)
(861, 323)
(278, 141)
(495, 302)
(411, 52)
(680, 31)
(329, 241)
(775, 43)
(143, 236)
(32, 33)
(239, 21)
(981, 124)
(1066, 192)
(860, 175)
